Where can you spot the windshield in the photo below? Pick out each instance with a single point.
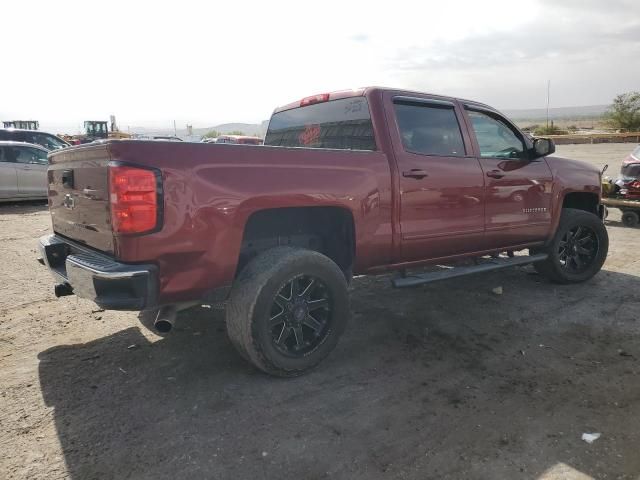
(630, 171)
(343, 124)
(52, 142)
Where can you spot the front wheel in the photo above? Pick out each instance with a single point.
(287, 310)
(578, 249)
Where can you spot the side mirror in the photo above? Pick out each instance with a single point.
(543, 147)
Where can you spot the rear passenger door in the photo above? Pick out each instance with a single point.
(8, 177)
(440, 179)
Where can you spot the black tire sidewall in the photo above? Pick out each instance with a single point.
(252, 300)
(572, 218)
(630, 219)
(336, 285)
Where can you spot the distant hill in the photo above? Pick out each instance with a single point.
(254, 129)
(557, 113)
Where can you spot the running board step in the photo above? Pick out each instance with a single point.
(453, 272)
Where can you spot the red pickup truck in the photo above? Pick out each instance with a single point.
(352, 182)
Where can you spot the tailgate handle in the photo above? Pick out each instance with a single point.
(67, 178)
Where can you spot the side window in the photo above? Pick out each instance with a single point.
(30, 155)
(38, 139)
(49, 142)
(10, 154)
(19, 136)
(429, 129)
(496, 139)
(38, 156)
(31, 137)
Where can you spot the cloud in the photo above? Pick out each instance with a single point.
(567, 34)
(588, 50)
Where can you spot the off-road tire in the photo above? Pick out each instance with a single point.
(252, 298)
(630, 218)
(552, 267)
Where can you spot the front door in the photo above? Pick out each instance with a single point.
(441, 182)
(517, 187)
(31, 168)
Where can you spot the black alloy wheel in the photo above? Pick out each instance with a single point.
(578, 249)
(301, 315)
(287, 309)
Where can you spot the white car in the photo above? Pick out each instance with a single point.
(23, 171)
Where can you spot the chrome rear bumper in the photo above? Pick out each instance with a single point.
(97, 277)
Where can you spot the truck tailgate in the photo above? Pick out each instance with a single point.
(79, 196)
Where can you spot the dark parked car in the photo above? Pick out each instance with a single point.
(23, 171)
(44, 139)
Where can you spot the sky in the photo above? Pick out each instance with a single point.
(206, 63)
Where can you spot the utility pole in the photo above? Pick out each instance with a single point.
(548, 98)
(175, 131)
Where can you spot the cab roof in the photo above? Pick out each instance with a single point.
(363, 91)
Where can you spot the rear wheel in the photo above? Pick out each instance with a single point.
(630, 218)
(578, 249)
(287, 310)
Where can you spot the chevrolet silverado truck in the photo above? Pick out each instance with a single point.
(357, 182)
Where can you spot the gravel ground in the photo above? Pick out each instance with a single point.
(446, 381)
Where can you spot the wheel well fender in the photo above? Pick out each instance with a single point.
(329, 230)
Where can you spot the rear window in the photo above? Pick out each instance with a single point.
(636, 152)
(343, 124)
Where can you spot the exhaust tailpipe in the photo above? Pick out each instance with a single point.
(164, 319)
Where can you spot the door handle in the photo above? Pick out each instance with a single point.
(495, 174)
(415, 173)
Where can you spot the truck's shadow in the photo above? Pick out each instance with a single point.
(20, 208)
(445, 382)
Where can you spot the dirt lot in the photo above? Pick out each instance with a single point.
(447, 381)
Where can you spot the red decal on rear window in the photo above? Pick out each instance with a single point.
(310, 135)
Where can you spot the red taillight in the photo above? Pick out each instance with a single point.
(133, 198)
(323, 97)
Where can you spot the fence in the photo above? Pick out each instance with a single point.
(596, 138)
